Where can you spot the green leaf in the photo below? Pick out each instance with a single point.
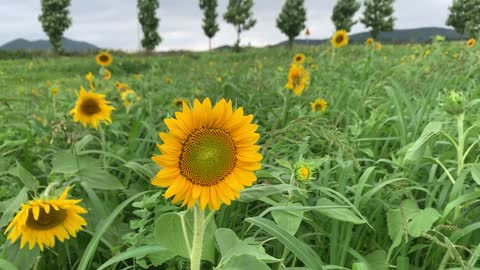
(98, 178)
(245, 262)
(416, 150)
(92, 245)
(6, 265)
(475, 171)
(342, 214)
(258, 191)
(141, 170)
(289, 220)
(133, 253)
(230, 246)
(304, 252)
(168, 231)
(26, 177)
(13, 207)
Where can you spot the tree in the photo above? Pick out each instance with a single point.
(210, 25)
(343, 13)
(378, 16)
(465, 16)
(55, 20)
(291, 20)
(239, 13)
(149, 21)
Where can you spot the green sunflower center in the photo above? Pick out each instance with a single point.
(339, 39)
(46, 220)
(208, 156)
(90, 107)
(104, 58)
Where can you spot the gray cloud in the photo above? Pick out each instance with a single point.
(113, 23)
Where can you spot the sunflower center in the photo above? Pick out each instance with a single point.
(46, 220)
(339, 39)
(208, 156)
(104, 58)
(90, 107)
(298, 59)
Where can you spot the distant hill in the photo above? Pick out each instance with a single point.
(41, 45)
(417, 35)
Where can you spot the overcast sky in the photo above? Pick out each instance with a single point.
(113, 23)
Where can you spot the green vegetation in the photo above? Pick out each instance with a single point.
(394, 180)
(210, 25)
(55, 20)
(239, 14)
(291, 20)
(149, 21)
(343, 13)
(378, 16)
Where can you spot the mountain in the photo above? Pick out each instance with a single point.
(417, 35)
(68, 45)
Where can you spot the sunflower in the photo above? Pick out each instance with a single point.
(104, 59)
(89, 77)
(129, 96)
(41, 220)
(339, 39)
(209, 155)
(121, 86)
(298, 79)
(471, 42)
(54, 91)
(319, 104)
(107, 74)
(299, 58)
(378, 46)
(303, 172)
(91, 108)
(370, 41)
(178, 102)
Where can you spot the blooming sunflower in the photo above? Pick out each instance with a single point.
(299, 58)
(339, 39)
(298, 79)
(303, 172)
(209, 154)
(378, 46)
(370, 41)
(319, 104)
(104, 59)
(54, 91)
(41, 220)
(107, 74)
(91, 108)
(471, 42)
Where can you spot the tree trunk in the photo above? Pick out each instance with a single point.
(209, 44)
(290, 43)
(237, 45)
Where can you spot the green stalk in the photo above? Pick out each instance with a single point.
(198, 229)
(104, 145)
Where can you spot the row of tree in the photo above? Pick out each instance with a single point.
(377, 16)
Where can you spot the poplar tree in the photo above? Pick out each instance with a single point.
(465, 17)
(149, 22)
(55, 20)
(291, 20)
(378, 16)
(239, 14)
(343, 13)
(210, 25)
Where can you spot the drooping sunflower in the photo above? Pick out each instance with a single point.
(129, 96)
(471, 42)
(299, 58)
(370, 41)
(104, 59)
(298, 79)
(107, 74)
(89, 78)
(339, 39)
(209, 154)
(319, 104)
(91, 108)
(41, 220)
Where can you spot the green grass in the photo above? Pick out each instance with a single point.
(395, 181)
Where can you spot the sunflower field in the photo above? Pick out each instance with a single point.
(337, 156)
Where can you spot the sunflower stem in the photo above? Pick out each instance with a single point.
(47, 190)
(198, 229)
(104, 145)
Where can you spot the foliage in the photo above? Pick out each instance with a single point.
(378, 16)
(239, 14)
(464, 16)
(149, 21)
(55, 20)
(291, 20)
(343, 13)
(210, 25)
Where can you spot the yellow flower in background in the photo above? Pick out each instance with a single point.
(219, 79)
(107, 74)
(319, 104)
(298, 58)
(48, 83)
(178, 102)
(128, 97)
(121, 86)
(89, 77)
(426, 54)
(168, 80)
(91, 108)
(40, 221)
(303, 172)
(34, 92)
(298, 79)
(378, 46)
(209, 154)
(339, 39)
(54, 91)
(104, 59)
(471, 42)
(370, 41)
(137, 76)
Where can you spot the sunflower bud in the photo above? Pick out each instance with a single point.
(303, 172)
(454, 103)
